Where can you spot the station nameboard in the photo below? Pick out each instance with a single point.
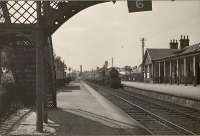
(139, 5)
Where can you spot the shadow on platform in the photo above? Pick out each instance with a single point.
(71, 124)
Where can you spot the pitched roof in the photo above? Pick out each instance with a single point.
(157, 54)
(160, 53)
(189, 49)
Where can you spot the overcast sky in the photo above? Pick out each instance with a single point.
(107, 30)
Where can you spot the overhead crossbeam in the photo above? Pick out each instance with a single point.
(54, 13)
(63, 11)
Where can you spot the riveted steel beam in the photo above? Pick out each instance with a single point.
(65, 11)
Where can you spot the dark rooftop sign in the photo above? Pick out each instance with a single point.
(139, 5)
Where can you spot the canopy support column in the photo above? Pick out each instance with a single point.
(164, 69)
(159, 74)
(39, 71)
(194, 71)
(177, 71)
(185, 70)
(170, 71)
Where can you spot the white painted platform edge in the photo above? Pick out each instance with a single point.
(115, 112)
(190, 92)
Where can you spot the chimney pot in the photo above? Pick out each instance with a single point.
(173, 44)
(184, 42)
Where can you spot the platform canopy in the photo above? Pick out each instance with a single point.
(53, 13)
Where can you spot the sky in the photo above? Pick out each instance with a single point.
(107, 30)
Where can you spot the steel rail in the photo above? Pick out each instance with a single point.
(159, 118)
(182, 110)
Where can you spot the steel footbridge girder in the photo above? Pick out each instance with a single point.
(53, 13)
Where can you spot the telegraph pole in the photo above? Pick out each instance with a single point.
(81, 68)
(112, 61)
(143, 44)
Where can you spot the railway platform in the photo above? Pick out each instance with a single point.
(82, 111)
(187, 96)
(176, 90)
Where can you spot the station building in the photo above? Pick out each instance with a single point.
(179, 64)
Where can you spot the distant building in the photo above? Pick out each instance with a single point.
(173, 65)
(137, 74)
(125, 73)
(128, 73)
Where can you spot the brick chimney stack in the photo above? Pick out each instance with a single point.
(176, 44)
(187, 41)
(184, 42)
(170, 44)
(173, 44)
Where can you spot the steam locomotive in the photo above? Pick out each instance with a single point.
(109, 77)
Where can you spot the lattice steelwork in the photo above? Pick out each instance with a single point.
(54, 13)
(24, 43)
(23, 12)
(54, 4)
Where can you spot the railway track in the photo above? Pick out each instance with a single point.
(159, 118)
